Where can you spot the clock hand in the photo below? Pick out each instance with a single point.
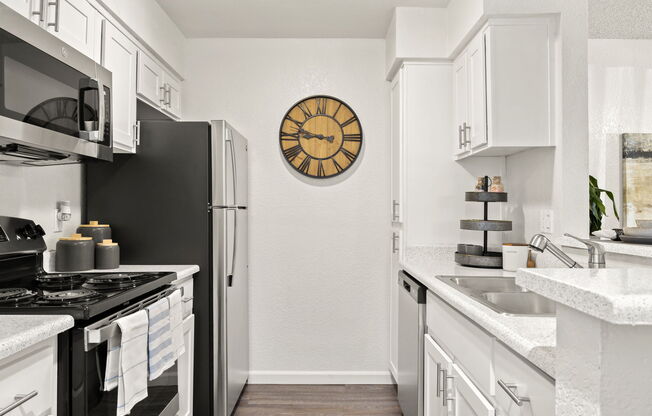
(309, 135)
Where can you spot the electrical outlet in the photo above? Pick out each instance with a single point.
(545, 221)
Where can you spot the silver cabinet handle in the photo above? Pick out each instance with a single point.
(444, 389)
(466, 128)
(395, 204)
(460, 130)
(39, 12)
(439, 390)
(394, 245)
(168, 95)
(512, 392)
(20, 399)
(57, 8)
(162, 95)
(186, 300)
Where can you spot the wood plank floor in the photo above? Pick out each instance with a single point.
(318, 400)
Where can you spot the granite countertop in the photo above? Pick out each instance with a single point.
(18, 332)
(618, 296)
(531, 337)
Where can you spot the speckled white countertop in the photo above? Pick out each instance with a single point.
(18, 332)
(618, 296)
(531, 337)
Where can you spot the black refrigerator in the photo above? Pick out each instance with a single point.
(182, 199)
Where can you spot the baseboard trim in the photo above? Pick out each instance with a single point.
(320, 377)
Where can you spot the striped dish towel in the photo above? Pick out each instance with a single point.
(160, 351)
(126, 366)
(176, 323)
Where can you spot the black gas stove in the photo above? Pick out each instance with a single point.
(25, 287)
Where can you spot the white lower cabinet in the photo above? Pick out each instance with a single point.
(185, 366)
(483, 377)
(31, 372)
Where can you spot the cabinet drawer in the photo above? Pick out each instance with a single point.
(470, 347)
(31, 370)
(526, 382)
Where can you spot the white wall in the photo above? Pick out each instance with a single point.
(32, 192)
(620, 101)
(319, 250)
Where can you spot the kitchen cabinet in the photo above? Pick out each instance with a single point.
(31, 374)
(393, 303)
(438, 367)
(74, 22)
(186, 364)
(119, 55)
(157, 86)
(504, 88)
(21, 6)
(482, 368)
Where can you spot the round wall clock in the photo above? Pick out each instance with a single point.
(321, 137)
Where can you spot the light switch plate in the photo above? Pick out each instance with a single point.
(546, 221)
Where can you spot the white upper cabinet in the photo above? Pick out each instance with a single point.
(74, 22)
(504, 89)
(158, 87)
(120, 56)
(397, 106)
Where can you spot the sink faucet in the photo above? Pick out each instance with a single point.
(540, 243)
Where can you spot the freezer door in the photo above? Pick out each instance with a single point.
(230, 164)
(232, 315)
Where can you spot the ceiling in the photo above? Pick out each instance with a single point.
(287, 18)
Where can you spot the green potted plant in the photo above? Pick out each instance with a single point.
(596, 207)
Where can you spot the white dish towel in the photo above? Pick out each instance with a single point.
(176, 323)
(160, 349)
(126, 364)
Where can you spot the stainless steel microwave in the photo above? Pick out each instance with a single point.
(55, 102)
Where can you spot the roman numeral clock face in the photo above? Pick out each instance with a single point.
(321, 137)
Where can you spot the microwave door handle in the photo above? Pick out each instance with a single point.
(101, 105)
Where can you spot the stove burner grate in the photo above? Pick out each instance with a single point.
(16, 296)
(68, 296)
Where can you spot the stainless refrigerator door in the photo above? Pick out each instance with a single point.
(232, 337)
(230, 166)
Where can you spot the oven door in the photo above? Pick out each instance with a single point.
(55, 103)
(88, 397)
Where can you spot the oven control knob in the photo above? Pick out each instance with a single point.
(40, 232)
(31, 231)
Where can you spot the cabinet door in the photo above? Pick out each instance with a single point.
(150, 85)
(393, 304)
(477, 108)
(396, 118)
(173, 98)
(437, 367)
(21, 6)
(460, 79)
(33, 370)
(186, 365)
(119, 55)
(467, 399)
(74, 22)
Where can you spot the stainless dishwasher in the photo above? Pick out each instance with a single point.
(411, 330)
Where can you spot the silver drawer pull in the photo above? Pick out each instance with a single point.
(444, 391)
(186, 300)
(20, 399)
(512, 392)
(439, 390)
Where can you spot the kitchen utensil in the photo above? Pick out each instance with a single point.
(515, 256)
(99, 232)
(75, 253)
(107, 255)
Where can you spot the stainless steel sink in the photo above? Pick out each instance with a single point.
(502, 294)
(524, 303)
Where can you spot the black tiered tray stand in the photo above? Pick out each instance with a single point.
(488, 259)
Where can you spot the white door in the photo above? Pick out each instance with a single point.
(436, 387)
(467, 399)
(477, 108)
(173, 98)
(185, 365)
(150, 84)
(74, 22)
(396, 119)
(393, 304)
(460, 78)
(119, 55)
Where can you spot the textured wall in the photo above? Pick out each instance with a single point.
(620, 19)
(319, 250)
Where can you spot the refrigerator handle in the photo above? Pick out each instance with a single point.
(229, 140)
(229, 275)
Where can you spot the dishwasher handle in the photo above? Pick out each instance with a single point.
(415, 289)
